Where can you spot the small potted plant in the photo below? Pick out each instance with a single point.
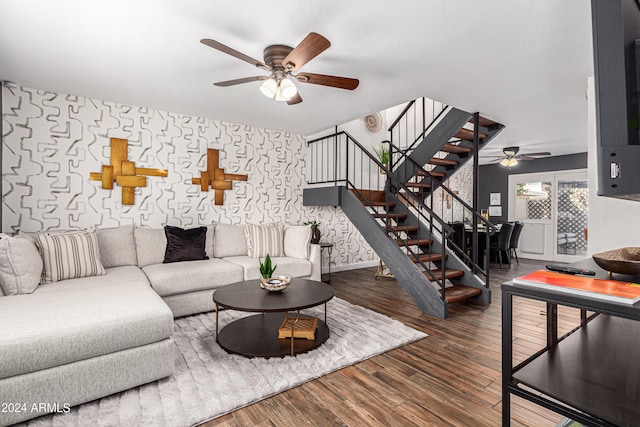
(315, 231)
(384, 153)
(268, 280)
(266, 268)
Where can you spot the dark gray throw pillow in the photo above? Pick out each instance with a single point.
(185, 245)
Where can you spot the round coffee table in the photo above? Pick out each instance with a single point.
(257, 336)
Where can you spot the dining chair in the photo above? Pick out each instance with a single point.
(515, 238)
(502, 241)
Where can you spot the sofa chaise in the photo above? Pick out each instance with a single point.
(76, 340)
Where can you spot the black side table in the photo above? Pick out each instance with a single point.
(329, 247)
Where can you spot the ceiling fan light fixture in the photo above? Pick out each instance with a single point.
(278, 91)
(288, 89)
(269, 88)
(509, 162)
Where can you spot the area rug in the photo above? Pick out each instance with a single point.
(208, 382)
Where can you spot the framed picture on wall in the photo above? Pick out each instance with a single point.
(495, 211)
(494, 199)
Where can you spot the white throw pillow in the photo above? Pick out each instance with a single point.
(69, 255)
(229, 240)
(151, 245)
(20, 265)
(117, 246)
(264, 239)
(296, 241)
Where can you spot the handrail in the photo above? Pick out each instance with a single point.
(424, 132)
(421, 121)
(326, 137)
(401, 115)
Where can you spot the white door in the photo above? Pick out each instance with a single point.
(553, 208)
(572, 203)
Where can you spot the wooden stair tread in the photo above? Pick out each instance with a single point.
(484, 122)
(405, 228)
(417, 194)
(467, 134)
(449, 273)
(432, 173)
(395, 216)
(459, 293)
(443, 162)
(418, 184)
(455, 149)
(372, 195)
(425, 257)
(414, 242)
(390, 205)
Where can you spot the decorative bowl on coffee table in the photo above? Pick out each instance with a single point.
(275, 284)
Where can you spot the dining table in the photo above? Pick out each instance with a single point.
(482, 240)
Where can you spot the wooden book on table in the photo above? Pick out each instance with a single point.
(609, 290)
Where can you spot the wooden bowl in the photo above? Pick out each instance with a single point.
(275, 284)
(621, 261)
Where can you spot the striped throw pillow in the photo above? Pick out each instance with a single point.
(69, 255)
(264, 239)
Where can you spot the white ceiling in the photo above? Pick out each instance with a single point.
(522, 63)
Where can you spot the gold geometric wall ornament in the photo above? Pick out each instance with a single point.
(216, 178)
(124, 172)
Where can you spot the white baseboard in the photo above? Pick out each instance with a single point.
(345, 267)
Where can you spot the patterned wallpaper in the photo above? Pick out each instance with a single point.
(53, 141)
(461, 183)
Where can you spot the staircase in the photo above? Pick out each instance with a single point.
(394, 210)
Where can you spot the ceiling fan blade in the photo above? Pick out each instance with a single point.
(312, 45)
(526, 157)
(229, 51)
(296, 99)
(542, 153)
(325, 80)
(240, 81)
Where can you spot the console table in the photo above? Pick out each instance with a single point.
(591, 374)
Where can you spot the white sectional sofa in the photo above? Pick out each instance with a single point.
(76, 340)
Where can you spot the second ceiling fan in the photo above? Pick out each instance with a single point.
(283, 62)
(511, 156)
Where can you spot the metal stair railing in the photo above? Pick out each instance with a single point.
(362, 174)
(424, 215)
(466, 214)
(415, 120)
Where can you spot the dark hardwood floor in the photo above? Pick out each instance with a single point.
(450, 378)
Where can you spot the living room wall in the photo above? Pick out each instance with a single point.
(53, 141)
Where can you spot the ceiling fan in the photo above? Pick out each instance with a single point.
(511, 156)
(281, 62)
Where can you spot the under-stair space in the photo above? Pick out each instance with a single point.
(392, 207)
